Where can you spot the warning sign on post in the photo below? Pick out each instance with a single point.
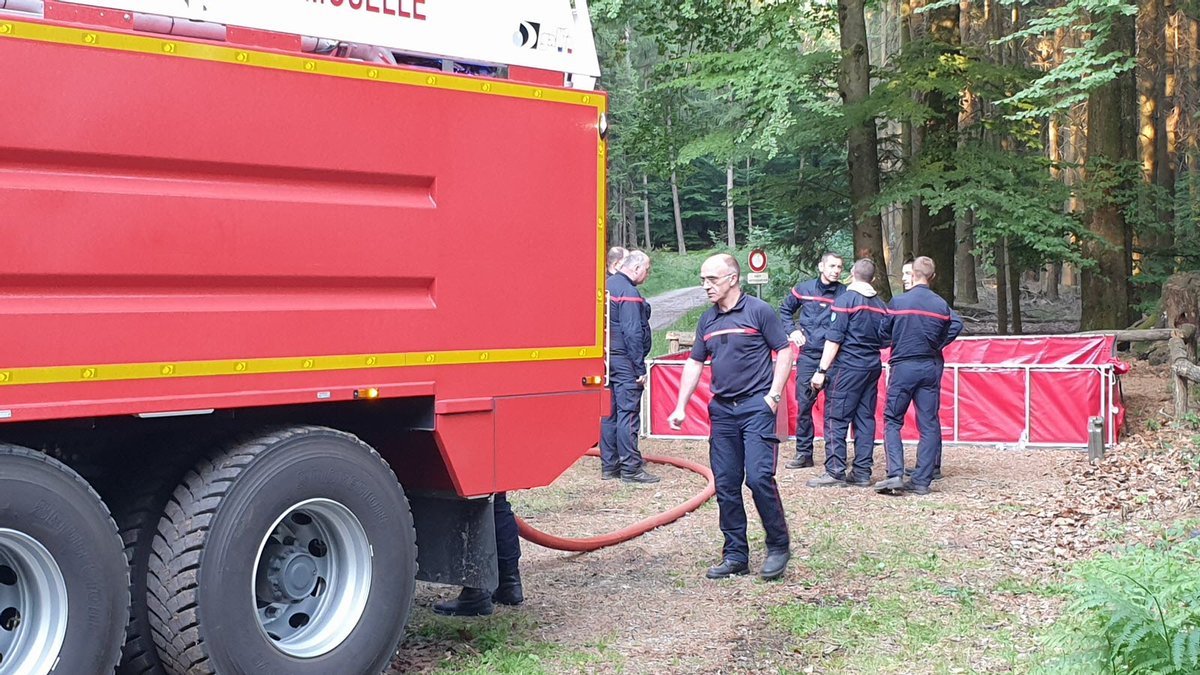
(758, 261)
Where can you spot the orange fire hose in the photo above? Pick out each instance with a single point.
(529, 533)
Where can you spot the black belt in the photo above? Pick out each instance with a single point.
(737, 400)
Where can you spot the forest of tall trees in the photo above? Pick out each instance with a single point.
(1056, 140)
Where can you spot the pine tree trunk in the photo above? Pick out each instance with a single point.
(936, 230)
(731, 232)
(854, 81)
(1105, 288)
(1014, 289)
(1001, 263)
(749, 208)
(646, 210)
(682, 247)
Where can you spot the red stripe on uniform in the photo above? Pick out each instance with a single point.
(813, 298)
(627, 299)
(731, 331)
(859, 308)
(919, 312)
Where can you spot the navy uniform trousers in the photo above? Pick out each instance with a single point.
(508, 542)
(851, 395)
(743, 446)
(914, 381)
(619, 431)
(806, 365)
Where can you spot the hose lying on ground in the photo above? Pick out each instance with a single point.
(529, 533)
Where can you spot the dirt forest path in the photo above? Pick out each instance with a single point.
(666, 308)
(963, 580)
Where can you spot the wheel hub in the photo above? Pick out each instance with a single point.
(291, 574)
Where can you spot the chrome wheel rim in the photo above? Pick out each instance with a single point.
(312, 578)
(33, 605)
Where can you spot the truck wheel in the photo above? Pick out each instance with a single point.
(138, 500)
(64, 596)
(292, 553)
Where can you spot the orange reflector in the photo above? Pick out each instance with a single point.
(366, 393)
(593, 379)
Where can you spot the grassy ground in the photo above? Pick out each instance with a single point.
(685, 324)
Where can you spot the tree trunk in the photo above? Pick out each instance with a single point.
(646, 210)
(749, 209)
(1105, 288)
(936, 230)
(966, 289)
(906, 144)
(1001, 263)
(682, 247)
(732, 235)
(854, 81)
(1181, 299)
(1014, 289)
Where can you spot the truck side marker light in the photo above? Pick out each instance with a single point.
(366, 393)
(593, 380)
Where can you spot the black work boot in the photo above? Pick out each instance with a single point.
(470, 602)
(509, 591)
(800, 462)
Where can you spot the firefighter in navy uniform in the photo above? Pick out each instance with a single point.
(919, 326)
(814, 300)
(739, 333)
(849, 373)
(629, 343)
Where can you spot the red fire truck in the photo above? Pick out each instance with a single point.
(288, 289)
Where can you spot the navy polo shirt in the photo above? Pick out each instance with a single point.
(920, 324)
(740, 343)
(814, 301)
(855, 324)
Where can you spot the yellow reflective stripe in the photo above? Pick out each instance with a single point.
(151, 371)
(172, 46)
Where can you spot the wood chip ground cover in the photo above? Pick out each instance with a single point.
(964, 580)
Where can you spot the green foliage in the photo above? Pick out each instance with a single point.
(1134, 613)
(1087, 67)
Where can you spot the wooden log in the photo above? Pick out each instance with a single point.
(1181, 298)
(678, 340)
(1186, 332)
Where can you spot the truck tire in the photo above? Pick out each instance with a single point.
(64, 596)
(292, 553)
(138, 500)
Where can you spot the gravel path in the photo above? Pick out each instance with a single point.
(669, 306)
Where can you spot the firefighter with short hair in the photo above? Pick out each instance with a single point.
(739, 333)
(919, 326)
(851, 360)
(813, 299)
(629, 345)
